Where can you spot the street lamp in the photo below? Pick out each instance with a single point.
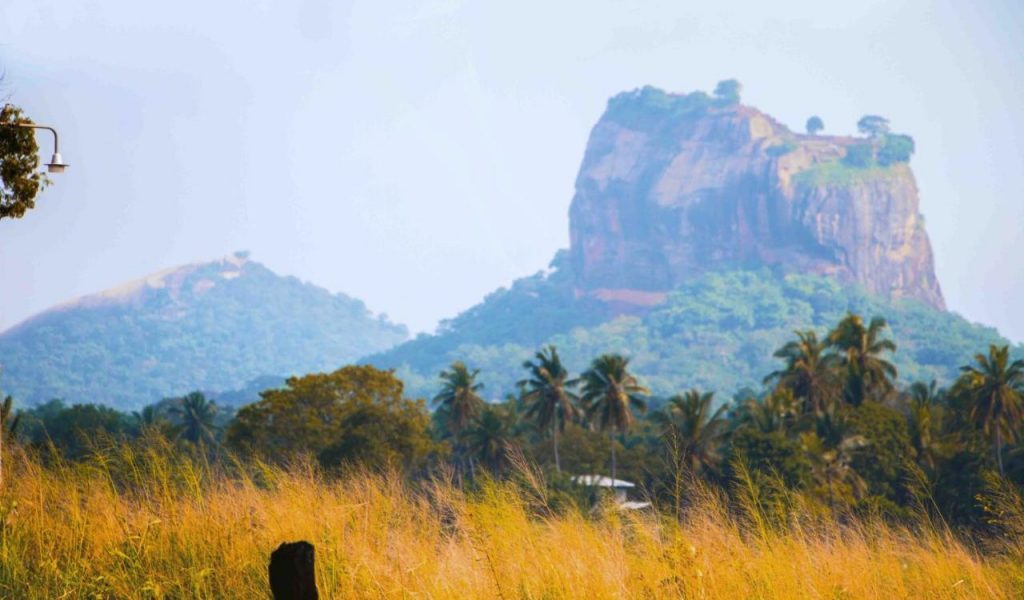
(56, 164)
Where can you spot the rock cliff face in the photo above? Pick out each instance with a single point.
(675, 185)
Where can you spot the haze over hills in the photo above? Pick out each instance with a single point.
(209, 326)
(703, 232)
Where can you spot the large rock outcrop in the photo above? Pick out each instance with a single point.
(675, 185)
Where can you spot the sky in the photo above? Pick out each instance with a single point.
(420, 154)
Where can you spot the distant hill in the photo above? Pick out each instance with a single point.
(212, 326)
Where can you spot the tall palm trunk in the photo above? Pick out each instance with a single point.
(554, 437)
(831, 499)
(999, 451)
(611, 439)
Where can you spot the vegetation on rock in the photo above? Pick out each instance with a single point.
(814, 125)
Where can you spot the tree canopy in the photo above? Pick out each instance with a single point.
(873, 125)
(728, 91)
(355, 415)
(895, 148)
(20, 179)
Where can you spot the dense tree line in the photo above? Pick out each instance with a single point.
(831, 423)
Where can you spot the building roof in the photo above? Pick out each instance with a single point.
(601, 481)
(633, 505)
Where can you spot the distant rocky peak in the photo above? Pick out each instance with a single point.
(673, 185)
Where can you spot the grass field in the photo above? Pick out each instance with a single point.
(155, 524)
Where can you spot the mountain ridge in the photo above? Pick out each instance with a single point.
(213, 326)
(126, 292)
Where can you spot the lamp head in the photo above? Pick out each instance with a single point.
(56, 164)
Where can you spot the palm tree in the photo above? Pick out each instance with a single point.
(698, 428)
(195, 414)
(810, 372)
(548, 394)
(995, 389)
(459, 396)
(867, 374)
(149, 416)
(489, 437)
(610, 392)
(924, 420)
(830, 450)
(153, 417)
(776, 412)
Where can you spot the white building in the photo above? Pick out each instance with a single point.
(619, 487)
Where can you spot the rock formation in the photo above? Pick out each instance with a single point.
(675, 185)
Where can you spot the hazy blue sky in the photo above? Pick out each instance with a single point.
(420, 154)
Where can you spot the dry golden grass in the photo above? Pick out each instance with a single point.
(152, 524)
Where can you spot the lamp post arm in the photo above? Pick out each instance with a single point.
(56, 140)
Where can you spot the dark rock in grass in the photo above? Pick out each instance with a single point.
(292, 572)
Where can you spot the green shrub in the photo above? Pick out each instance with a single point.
(895, 148)
(860, 155)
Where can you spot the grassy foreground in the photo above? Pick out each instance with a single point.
(155, 524)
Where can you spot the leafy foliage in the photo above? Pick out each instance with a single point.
(20, 180)
(814, 125)
(728, 91)
(355, 415)
(895, 148)
(610, 393)
(490, 436)
(691, 423)
(995, 392)
(882, 463)
(459, 396)
(873, 125)
(548, 395)
(770, 455)
(649, 107)
(73, 429)
(196, 415)
(860, 348)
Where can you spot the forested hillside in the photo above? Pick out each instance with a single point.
(716, 332)
(212, 326)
